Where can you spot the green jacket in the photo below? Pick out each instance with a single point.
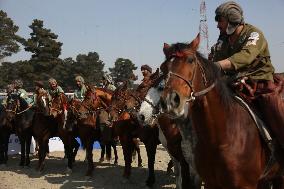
(55, 92)
(24, 95)
(80, 94)
(111, 87)
(249, 55)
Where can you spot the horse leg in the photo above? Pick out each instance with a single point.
(170, 166)
(28, 149)
(6, 145)
(75, 148)
(137, 148)
(108, 151)
(151, 149)
(103, 150)
(127, 148)
(23, 150)
(89, 155)
(43, 147)
(113, 144)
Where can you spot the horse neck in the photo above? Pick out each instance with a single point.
(209, 112)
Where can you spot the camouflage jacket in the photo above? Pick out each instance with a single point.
(249, 55)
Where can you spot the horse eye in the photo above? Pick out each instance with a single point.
(190, 59)
(172, 59)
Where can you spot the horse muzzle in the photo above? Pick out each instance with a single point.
(173, 103)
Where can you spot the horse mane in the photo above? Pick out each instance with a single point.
(212, 72)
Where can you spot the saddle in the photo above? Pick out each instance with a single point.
(248, 90)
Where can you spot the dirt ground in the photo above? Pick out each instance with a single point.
(106, 175)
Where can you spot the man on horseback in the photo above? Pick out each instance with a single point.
(242, 53)
(146, 72)
(54, 91)
(107, 82)
(18, 86)
(81, 88)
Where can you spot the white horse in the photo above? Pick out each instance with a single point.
(149, 114)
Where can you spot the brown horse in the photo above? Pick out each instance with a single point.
(229, 152)
(124, 128)
(47, 123)
(128, 128)
(86, 113)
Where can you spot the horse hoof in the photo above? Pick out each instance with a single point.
(3, 165)
(101, 160)
(68, 171)
(125, 180)
(140, 165)
(115, 163)
(88, 178)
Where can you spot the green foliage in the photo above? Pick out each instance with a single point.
(42, 44)
(90, 67)
(8, 38)
(122, 70)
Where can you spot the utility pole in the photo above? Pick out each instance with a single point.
(203, 30)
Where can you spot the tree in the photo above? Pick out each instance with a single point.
(42, 44)
(8, 38)
(122, 70)
(89, 66)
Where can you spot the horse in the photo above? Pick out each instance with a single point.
(229, 152)
(6, 129)
(123, 128)
(87, 113)
(20, 115)
(47, 123)
(170, 137)
(128, 128)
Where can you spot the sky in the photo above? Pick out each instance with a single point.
(136, 29)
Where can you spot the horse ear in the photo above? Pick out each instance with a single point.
(166, 47)
(195, 43)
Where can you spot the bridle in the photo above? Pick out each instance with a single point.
(193, 94)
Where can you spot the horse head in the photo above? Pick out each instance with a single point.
(57, 105)
(42, 103)
(149, 109)
(186, 77)
(10, 110)
(90, 103)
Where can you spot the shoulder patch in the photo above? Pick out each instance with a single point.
(219, 44)
(253, 38)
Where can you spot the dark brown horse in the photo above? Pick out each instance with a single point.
(229, 152)
(86, 113)
(6, 129)
(47, 123)
(128, 128)
(20, 115)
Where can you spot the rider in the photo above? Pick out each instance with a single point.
(18, 86)
(107, 82)
(146, 72)
(81, 90)
(242, 52)
(56, 90)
